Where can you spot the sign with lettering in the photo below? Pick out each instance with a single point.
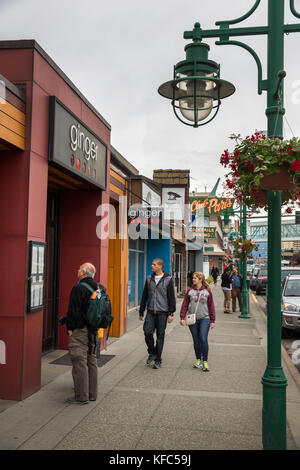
(75, 147)
(212, 205)
(205, 232)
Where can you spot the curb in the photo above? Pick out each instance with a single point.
(288, 362)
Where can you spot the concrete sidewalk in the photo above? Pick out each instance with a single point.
(173, 408)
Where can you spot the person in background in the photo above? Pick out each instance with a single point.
(214, 273)
(159, 295)
(82, 339)
(226, 285)
(237, 286)
(198, 299)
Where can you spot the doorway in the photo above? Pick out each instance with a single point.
(178, 272)
(52, 270)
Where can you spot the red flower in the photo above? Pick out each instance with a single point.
(295, 166)
(224, 160)
(249, 166)
(289, 210)
(229, 184)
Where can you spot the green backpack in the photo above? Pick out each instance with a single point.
(99, 312)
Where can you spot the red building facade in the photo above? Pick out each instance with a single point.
(46, 198)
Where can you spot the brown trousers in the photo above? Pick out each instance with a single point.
(227, 299)
(85, 368)
(236, 294)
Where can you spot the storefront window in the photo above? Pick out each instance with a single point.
(132, 278)
(137, 272)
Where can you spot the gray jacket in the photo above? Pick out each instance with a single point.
(160, 298)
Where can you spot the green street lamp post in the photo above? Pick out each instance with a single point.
(243, 224)
(196, 89)
(242, 214)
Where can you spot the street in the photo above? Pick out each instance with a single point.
(290, 344)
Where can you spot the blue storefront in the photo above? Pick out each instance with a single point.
(141, 255)
(147, 237)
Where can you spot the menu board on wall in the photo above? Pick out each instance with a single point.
(36, 276)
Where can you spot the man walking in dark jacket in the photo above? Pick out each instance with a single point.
(82, 340)
(159, 296)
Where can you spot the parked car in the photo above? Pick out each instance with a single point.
(249, 268)
(255, 270)
(261, 281)
(285, 271)
(290, 304)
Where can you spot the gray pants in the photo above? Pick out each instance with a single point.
(236, 294)
(85, 368)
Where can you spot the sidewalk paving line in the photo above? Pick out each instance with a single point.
(194, 393)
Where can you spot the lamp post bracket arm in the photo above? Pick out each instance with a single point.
(224, 32)
(262, 84)
(293, 9)
(244, 17)
(291, 28)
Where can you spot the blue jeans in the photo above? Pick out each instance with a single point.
(200, 337)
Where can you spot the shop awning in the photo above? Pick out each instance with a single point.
(215, 253)
(194, 246)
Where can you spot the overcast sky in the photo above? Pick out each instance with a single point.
(118, 52)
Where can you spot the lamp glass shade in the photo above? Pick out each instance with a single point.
(195, 102)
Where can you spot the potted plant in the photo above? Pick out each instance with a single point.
(258, 164)
(241, 246)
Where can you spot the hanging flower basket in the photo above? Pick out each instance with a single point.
(241, 246)
(278, 181)
(259, 164)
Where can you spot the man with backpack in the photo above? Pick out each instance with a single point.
(160, 298)
(83, 337)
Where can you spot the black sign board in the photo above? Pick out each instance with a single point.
(75, 147)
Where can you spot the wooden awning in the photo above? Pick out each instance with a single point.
(12, 116)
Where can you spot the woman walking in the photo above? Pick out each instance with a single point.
(198, 299)
(227, 288)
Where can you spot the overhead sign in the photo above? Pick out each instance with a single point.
(149, 196)
(212, 205)
(205, 232)
(173, 202)
(75, 147)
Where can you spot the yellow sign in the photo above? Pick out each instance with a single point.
(206, 232)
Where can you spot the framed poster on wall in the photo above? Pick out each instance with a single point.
(36, 276)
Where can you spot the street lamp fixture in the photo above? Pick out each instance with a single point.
(196, 89)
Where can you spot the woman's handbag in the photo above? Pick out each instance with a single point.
(190, 318)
